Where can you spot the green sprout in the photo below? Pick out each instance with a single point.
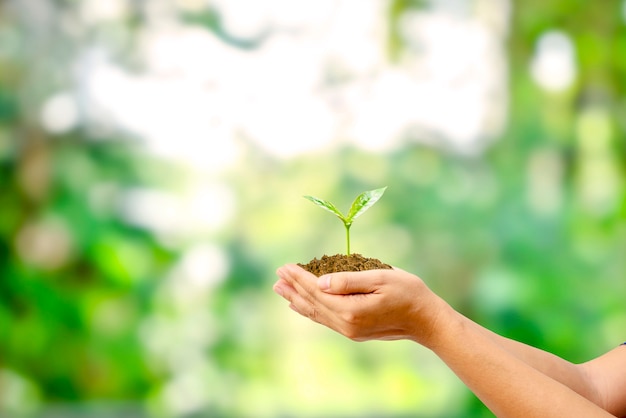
(362, 203)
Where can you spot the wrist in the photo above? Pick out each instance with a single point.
(439, 328)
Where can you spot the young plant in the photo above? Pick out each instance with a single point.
(362, 203)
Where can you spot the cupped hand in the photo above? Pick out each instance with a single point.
(366, 305)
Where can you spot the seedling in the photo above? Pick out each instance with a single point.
(362, 203)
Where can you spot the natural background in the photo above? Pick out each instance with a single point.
(153, 158)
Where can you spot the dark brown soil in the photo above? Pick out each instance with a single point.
(341, 262)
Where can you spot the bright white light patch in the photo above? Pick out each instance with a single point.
(319, 77)
(554, 65)
(204, 265)
(98, 10)
(202, 211)
(59, 113)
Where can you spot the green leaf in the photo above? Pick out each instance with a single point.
(327, 205)
(363, 202)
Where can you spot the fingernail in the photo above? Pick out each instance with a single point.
(279, 290)
(280, 273)
(324, 282)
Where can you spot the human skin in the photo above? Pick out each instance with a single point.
(512, 379)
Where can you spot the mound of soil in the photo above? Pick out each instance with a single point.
(341, 262)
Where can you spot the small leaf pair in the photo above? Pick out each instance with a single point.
(362, 203)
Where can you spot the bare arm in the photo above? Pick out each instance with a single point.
(507, 385)
(608, 372)
(511, 378)
(600, 380)
(571, 375)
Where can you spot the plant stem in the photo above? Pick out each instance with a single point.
(348, 237)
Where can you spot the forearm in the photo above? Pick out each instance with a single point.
(507, 384)
(565, 372)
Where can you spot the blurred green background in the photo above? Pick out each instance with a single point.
(153, 158)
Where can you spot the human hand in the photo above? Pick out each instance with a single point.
(366, 305)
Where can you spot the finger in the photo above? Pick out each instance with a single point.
(302, 281)
(281, 287)
(303, 307)
(296, 302)
(307, 299)
(348, 283)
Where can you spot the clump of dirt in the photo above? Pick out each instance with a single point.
(341, 262)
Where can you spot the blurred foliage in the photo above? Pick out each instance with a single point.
(533, 254)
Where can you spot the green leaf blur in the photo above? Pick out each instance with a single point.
(361, 203)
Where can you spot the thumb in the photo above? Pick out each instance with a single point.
(347, 283)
